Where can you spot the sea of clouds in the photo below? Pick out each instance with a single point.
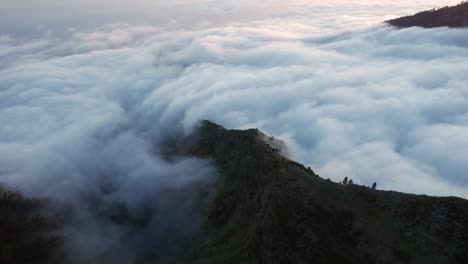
(83, 108)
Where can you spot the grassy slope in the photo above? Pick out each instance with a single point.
(272, 210)
(455, 16)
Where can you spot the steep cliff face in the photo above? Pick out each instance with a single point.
(270, 209)
(455, 17)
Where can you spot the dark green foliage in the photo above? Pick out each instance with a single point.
(26, 234)
(455, 16)
(269, 210)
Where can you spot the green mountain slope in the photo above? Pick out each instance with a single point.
(266, 209)
(273, 210)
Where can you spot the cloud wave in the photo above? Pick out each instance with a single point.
(371, 103)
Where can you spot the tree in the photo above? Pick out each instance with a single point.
(374, 186)
(345, 181)
(350, 181)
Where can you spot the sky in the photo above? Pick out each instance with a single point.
(90, 90)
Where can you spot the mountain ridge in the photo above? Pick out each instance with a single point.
(273, 210)
(453, 17)
(267, 209)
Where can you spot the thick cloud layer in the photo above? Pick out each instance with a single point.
(70, 132)
(83, 113)
(374, 104)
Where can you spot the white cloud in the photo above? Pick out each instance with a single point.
(371, 103)
(328, 94)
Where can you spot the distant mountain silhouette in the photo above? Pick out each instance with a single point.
(454, 17)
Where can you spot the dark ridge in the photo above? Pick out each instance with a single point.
(266, 209)
(27, 230)
(272, 210)
(454, 17)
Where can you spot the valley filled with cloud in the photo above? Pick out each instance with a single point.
(351, 96)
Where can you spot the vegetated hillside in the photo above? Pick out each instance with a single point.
(266, 209)
(455, 16)
(270, 209)
(26, 230)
